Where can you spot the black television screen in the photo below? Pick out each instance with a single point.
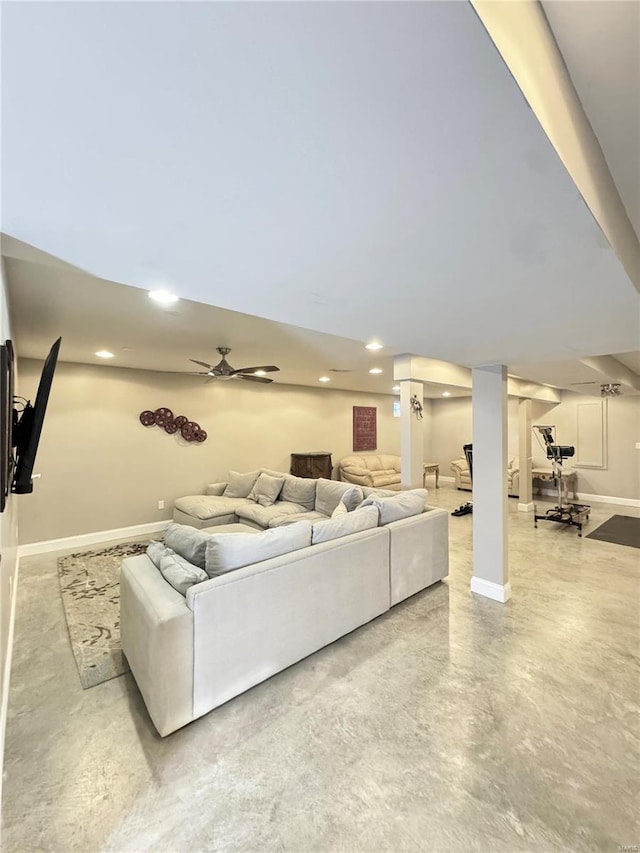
(6, 420)
(28, 426)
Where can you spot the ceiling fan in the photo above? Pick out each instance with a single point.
(607, 389)
(223, 369)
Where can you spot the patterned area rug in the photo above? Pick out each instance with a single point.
(90, 586)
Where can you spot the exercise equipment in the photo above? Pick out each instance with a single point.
(467, 507)
(570, 514)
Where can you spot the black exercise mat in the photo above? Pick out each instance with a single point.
(619, 529)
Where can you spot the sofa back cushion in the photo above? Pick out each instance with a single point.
(299, 490)
(240, 485)
(266, 489)
(177, 571)
(328, 495)
(367, 491)
(371, 462)
(342, 525)
(189, 542)
(225, 552)
(401, 505)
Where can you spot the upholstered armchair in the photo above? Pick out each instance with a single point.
(463, 479)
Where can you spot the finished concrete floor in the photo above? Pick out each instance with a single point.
(451, 723)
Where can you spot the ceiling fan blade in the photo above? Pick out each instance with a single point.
(592, 382)
(267, 368)
(250, 378)
(210, 379)
(202, 364)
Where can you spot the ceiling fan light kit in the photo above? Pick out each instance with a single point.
(224, 371)
(610, 389)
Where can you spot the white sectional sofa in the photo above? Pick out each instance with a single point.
(191, 653)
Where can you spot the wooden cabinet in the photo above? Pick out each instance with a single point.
(311, 465)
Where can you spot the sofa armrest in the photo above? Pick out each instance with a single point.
(156, 628)
(362, 478)
(215, 489)
(459, 465)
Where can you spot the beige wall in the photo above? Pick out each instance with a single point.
(8, 549)
(452, 427)
(101, 469)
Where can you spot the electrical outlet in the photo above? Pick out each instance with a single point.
(160, 504)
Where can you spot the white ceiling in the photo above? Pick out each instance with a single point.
(49, 298)
(362, 170)
(600, 44)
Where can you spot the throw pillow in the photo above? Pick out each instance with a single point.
(401, 505)
(188, 542)
(226, 553)
(329, 494)
(350, 522)
(240, 485)
(177, 571)
(266, 489)
(351, 499)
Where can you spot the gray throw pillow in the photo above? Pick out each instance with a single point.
(350, 500)
(240, 485)
(177, 571)
(188, 542)
(266, 489)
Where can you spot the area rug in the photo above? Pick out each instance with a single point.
(90, 587)
(619, 529)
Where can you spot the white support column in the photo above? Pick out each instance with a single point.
(525, 492)
(490, 563)
(411, 436)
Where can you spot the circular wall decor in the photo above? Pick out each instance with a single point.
(163, 417)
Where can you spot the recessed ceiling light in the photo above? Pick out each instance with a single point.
(446, 393)
(375, 370)
(396, 388)
(163, 296)
(324, 379)
(104, 353)
(373, 345)
(259, 372)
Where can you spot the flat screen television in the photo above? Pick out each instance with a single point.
(27, 427)
(6, 420)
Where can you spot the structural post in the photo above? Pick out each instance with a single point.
(490, 558)
(411, 436)
(525, 492)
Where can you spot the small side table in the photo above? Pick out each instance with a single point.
(312, 465)
(569, 479)
(430, 468)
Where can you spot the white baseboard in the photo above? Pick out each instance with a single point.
(526, 507)
(443, 479)
(603, 499)
(4, 706)
(496, 591)
(83, 539)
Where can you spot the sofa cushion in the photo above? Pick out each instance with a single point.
(351, 499)
(187, 542)
(240, 485)
(281, 520)
(329, 494)
(177, 571)
(384, 478)
(215, 489)
(299, 490)
(226, 553)
(262, 515)
(205, 506)
(266, 489)
(367, 491)
(342, 525)
(401, 505)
